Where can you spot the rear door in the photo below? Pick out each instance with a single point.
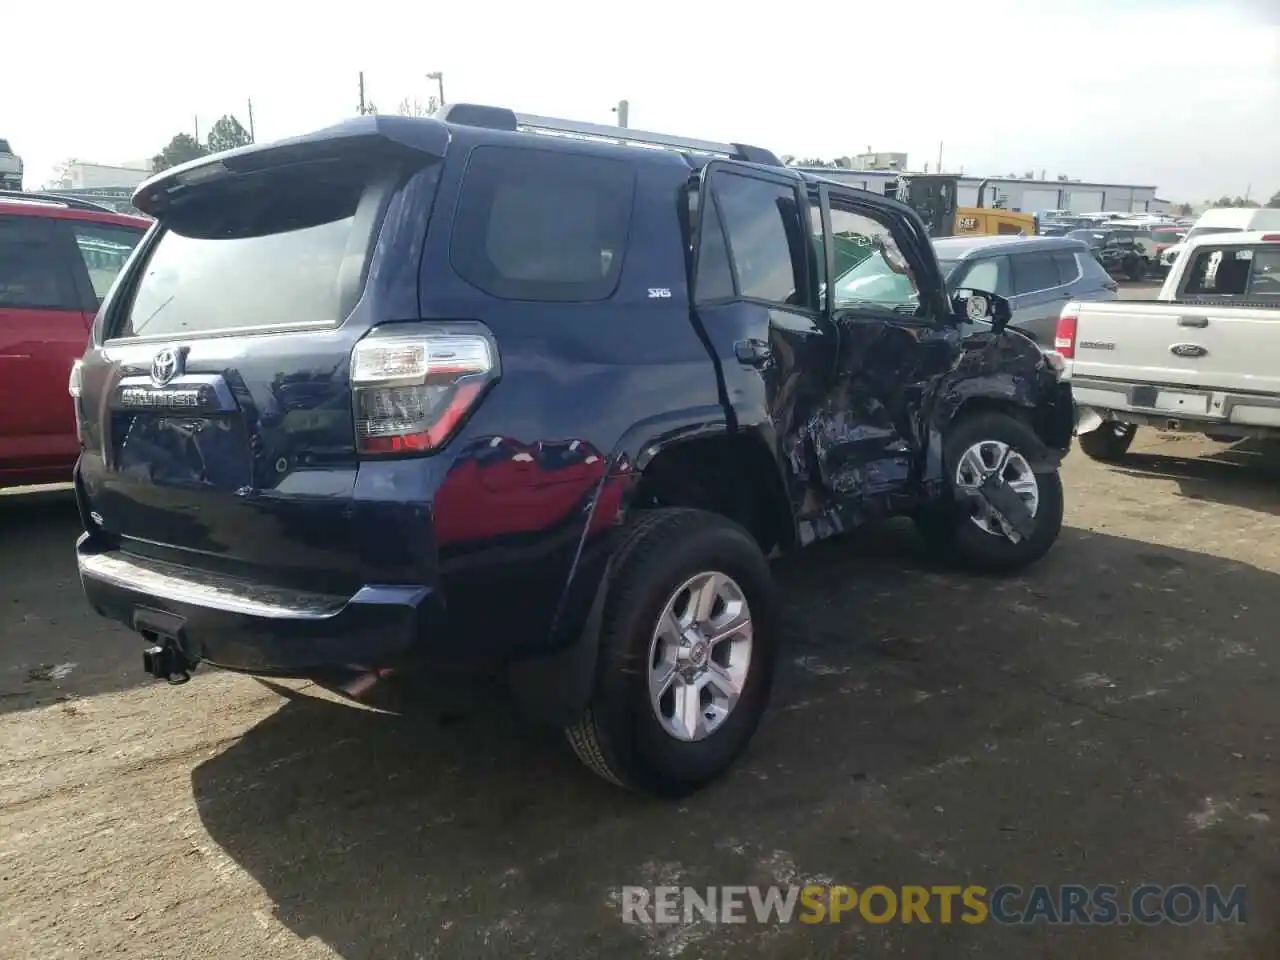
(756, 295)
(1038, 294)
(217, 414)
(43, 329)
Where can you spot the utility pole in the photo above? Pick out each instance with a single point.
(252, 138)
(939, 156)
(622, 110)
(362, 93)
(438, 77)
(197, 121)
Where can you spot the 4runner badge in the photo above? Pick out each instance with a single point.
(164, 367)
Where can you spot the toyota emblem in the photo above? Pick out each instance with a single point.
(164, 367)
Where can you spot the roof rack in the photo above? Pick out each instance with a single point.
(73, 203)
(501, 118)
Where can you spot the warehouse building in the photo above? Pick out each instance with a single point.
(1026, 195)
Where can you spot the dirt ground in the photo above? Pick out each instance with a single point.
(1110, 717)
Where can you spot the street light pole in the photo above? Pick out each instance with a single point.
(438, 77)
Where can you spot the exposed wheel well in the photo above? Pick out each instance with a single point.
(979, 405)
(733, 475)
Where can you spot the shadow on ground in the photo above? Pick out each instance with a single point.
(1109, 718)
(54, 647)
(1245, 474)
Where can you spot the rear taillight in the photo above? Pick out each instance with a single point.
(1064, 339)
(411, 393)
(1270, 237)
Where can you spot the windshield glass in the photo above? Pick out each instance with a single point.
(948, 267)
(875, 281)
(1167, 236)
(1205, 231)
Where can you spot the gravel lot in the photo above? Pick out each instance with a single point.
(1110, 717)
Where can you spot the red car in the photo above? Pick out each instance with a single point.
(58, 258)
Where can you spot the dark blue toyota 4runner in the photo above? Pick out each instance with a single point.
(499, 386)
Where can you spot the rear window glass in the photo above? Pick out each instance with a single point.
(199, 285)
(1222, 271)
(1265, 279)
(536, 224)
(33, 272)
(283, 247)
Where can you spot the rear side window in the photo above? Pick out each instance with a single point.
(104, 248)
(1033, 272)
(1065, 263)
(32, 273)
(766, 241)
(544, 225)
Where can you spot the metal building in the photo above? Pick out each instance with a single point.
(1019, 194)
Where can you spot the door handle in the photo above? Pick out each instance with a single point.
(753, 353)
(1193, 321)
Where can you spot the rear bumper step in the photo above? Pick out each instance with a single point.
(243, 625)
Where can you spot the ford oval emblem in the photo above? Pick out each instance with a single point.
(1188, 350)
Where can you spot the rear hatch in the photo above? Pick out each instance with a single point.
(215, 401)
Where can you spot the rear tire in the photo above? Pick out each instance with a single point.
(949, 528)
(1109, 442)
(623, 735)
(1137, 269)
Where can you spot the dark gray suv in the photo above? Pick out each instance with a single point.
(1038, 275)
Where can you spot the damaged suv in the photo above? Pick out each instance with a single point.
(409, 390)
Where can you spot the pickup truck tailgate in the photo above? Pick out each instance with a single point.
(1209, 347)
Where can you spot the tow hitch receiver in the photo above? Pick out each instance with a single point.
(166, 661)
(165, 658)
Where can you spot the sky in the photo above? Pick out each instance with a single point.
(1181, 95)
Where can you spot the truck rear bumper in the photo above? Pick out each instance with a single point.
(1175, 406)
(248, 627)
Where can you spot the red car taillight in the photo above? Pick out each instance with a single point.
(1064, 339)
(410, 393)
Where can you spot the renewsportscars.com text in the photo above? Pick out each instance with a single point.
(1007, 904)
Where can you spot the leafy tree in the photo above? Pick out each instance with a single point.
(1274, 202)
(227, 134)
(181, 148)
(1184, 209)
(416, 108)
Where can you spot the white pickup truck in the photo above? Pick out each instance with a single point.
(1204, 357)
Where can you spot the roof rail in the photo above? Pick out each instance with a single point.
(500, 118)
(73, 203)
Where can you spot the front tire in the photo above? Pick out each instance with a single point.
(1137, 269)
(687, 653)
(971, 534)
(1109, 442)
